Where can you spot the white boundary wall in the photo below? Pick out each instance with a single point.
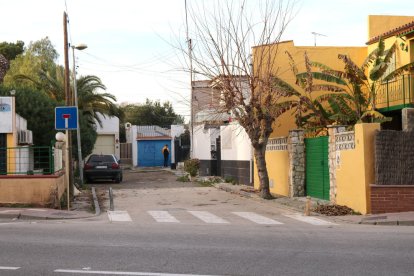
(235, 143)
(204, 142)
(133, 134)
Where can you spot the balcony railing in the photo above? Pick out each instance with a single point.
(395, 94)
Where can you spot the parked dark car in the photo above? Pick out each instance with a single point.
(102, 166)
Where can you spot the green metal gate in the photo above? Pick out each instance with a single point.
(317, 167)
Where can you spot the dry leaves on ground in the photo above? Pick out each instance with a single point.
(334, 210)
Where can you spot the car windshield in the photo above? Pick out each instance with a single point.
(101, 159)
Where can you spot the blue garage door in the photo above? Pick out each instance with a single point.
(149, 153)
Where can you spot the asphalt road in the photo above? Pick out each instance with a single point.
(192, 246)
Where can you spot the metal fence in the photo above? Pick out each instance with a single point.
(126, 153)
(30, 160)
(398, 90)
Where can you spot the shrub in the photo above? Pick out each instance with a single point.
(191, 166)
(230, 179)
(183, 178)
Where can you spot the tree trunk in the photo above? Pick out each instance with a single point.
(259, 155)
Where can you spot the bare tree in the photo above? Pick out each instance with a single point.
(223, 35)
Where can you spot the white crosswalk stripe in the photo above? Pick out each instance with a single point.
(310, 220)
(119, 216)
(256, 218)
(163, 216)
(208, 217)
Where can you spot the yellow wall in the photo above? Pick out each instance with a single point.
(380, 24)
(402, 57)
(281, 68)
(278, 171)
(12, 140)
(30, 190)
(356, 170)
(278, 162)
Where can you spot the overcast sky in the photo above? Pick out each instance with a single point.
(130, 42)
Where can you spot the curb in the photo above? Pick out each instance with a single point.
(10, 215)
(281, 205)
(393, 222)
(226, 189)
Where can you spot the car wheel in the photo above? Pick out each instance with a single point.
(118, 179)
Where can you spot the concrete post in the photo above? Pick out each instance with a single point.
(332, 131)
(296, 149)
(408, 119)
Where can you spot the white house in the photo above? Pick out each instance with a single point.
(107, 141)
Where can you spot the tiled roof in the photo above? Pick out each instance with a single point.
(406, 28)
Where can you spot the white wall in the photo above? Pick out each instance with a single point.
(6, 114)
(21, 123)
(235, 143)
(128, 133)
(133, 134)
(22, 159)
(177, 130)
(110, 125)
(203, 140)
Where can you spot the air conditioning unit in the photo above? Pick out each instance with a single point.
(21, 137)
(29, 136)
(25, 137)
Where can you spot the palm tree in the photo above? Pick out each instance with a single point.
(91, 102)
(4, 66)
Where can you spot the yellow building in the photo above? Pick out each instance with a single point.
(278, 160)
(398, 93)
(281, 68)
(347, 157)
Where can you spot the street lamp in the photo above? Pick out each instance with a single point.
(79, 47)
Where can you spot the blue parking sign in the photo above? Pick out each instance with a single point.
(66, 117)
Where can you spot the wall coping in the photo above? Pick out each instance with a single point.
(16, 176)
(391, 186)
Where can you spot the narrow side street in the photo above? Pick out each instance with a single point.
(182, 228)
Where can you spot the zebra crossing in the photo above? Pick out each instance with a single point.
(206, 217)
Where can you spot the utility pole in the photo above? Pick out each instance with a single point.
(190, 56)
(68, 100)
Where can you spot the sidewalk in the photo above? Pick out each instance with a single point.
(42, 213)
(81, 208)
(298, 205)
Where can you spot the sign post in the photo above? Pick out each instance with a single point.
(66, 118)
